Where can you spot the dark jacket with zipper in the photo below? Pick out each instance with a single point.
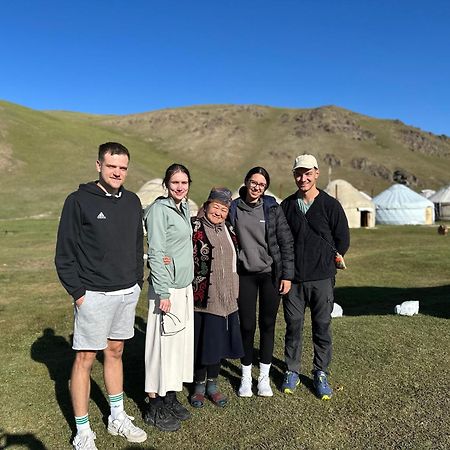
(100, 241)
(278, 237)
(325, 227)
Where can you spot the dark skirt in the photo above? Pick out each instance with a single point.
(216, 338)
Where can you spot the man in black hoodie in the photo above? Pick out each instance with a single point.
(99, 260)
(320, 229)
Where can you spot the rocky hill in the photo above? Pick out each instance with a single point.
(44, 155)
(368, 152)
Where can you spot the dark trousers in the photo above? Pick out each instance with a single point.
(201, 372)
(250, 285)
(318, 295)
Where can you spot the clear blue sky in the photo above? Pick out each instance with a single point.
(383, 58)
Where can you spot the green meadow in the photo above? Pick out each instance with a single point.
(389, 373)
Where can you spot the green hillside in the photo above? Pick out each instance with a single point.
(45, 155)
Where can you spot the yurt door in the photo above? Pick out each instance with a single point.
(428, 215)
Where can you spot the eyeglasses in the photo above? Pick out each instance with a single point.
(255, 184)
(171, 326)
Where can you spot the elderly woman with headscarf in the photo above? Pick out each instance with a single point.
(216, 287)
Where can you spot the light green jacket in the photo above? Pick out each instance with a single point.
(169, 233)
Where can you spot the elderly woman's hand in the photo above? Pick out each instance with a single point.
(285, 287)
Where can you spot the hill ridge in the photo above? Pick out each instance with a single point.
(45, 154)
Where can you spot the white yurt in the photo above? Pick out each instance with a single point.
(441, 200)
(400, 205)
(427, 193)
(358, 206)
(153, 189)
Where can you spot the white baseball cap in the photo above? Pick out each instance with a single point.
(305, 162)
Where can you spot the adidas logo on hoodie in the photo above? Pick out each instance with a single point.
(101, 216)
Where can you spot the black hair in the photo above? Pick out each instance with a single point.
(261, 171)
(112, 147)
(172, 169)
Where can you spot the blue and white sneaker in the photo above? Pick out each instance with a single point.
(290, 382)
(323, 389)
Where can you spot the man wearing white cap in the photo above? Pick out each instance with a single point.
(320, 229)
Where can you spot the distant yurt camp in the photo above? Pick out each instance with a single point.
(358, 207)
(400, 205)
(153, 189)
(441, 200)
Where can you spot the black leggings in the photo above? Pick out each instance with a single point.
(269, 301)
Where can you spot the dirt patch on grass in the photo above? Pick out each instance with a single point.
(7, 161)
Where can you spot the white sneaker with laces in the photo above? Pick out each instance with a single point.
(264, 389)
(123, 426)
(245, 389)
(84, 441)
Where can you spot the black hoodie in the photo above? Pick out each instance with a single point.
(100, 241)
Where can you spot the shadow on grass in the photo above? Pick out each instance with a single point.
(134, 447)
(231, 370)
(277, 374)
(27, 440)
(134, 367)
(367, 300)
(134, 364)
(57, 354)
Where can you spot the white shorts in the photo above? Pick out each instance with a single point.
(103, 316)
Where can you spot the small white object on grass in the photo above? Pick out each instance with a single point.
(337, 311)
(408, 308)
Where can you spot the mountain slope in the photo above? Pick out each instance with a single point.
(368, 152)
(45, 155)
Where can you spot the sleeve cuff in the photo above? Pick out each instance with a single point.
(78, 293)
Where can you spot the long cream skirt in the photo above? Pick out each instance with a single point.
(169, 342)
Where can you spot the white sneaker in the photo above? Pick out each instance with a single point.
(245, 389)
(122, 426)
(84, 441)
(264, 389)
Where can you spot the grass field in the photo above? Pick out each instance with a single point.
(390, 373)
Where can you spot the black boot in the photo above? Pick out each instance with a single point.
(158, 414)
(175, 407)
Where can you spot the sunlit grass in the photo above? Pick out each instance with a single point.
(389, 372)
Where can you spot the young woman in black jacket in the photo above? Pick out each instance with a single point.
(266, 268)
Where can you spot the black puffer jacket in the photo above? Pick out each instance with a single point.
(278, 235)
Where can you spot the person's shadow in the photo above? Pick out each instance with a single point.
(27, 440)
(57, 354)
(134, 364)
(230, 369)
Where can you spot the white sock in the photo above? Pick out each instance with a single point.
(264, 369)
(116, 404)
(82, 423)
(246, 371)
